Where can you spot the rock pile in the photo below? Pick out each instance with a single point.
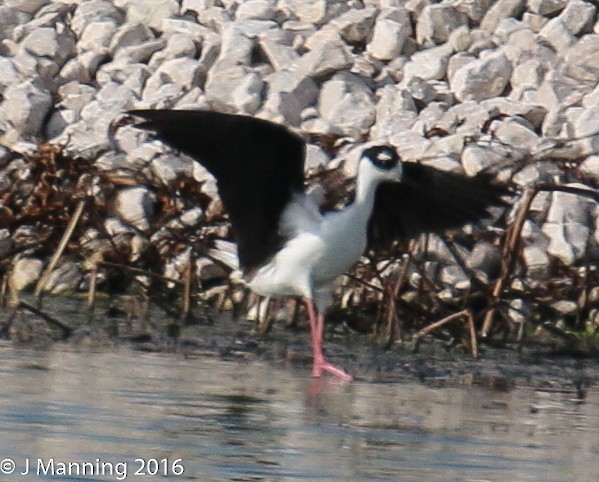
(463, 85)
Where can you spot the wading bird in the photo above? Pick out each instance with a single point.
(286, 246)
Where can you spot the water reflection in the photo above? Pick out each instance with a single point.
(250, 421)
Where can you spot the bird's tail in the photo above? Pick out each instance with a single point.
(226, 253)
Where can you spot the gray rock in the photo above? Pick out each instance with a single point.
(516, 133)
(91, 11)
(25, 272)
(326, 56)
(546, 7)
(578, 16)
(348, 104)
(486, 258)
(436, 22)
(312, 11)
(534, 21)
(289, 93)
(519, 311)
(235, 87)
(25, 106)
(454, 276)
(483, 78)
(499, 10)
(586, 122)
(315, 157)
(151, 12)
(26, 6)
(355, 25)
(567, 226)
(140, 53)
(66, 277)
(388, 38)
(276, 45)
(478, 157)
(8, 73)
(97, 35)
(132, 76)
(183, 72)
(6, 243)
(83, 67)
(589, 168)
(135, 205)
(56, 43)
(255, 10)
(581, 60)
(475, 10)
(10, 19)
(556, 33)
(195, 31)
(130, 35)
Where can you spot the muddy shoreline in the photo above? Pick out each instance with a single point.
(545, 367)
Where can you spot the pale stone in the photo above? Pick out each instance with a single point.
(83, 67)
(151, 12)
(97, 35)
(315, 157)
(534, 21)
(537, 262)
(25, 106)
(255, 10)
(589, 168)
(347, 103)
(49, 42)
(436, 22)
(388, 39)
(25, 272)
(128, 35)
(313, 11)
(10, 19)
(586, 122)
(578, 16)
(485, 257)
(483, 78)
(63, 279)
(140, 53)
(184, 72)
(288, 94)
(582, 60)
(474, 9)
(428, 64)
(276, 45)
(516, 133)
(355, 25)
(325, 58)
(499, 10)
(135, 205)
(546, 7)
(476, 158)
(91, 11)
(557, 35)
(8, 73)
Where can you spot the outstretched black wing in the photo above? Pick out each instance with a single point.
(258, 165)
(429, 200)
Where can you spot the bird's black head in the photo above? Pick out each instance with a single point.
(383, 157)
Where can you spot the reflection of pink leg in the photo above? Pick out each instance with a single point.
(317, 333)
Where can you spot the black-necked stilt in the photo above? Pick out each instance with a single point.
(286, 246)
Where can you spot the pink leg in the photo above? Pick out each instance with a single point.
(317, 333)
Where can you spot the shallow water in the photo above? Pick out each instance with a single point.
(230, 420)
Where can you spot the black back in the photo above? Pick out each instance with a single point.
(429, 200)
(258, 165)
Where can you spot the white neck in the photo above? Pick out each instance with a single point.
(367, 181)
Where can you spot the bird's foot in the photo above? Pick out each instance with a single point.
(324, 366)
